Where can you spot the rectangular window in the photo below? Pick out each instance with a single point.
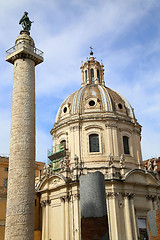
(98, 74)
(94, 143)
(86, 75)
(92, 76)
(142, 229)
(6, 169)
(5, 182)
(126, 144)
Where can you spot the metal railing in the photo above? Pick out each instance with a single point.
(24, 44)
(57, 152)
(56, 148)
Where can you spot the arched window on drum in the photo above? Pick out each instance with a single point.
(126, 145)
(63, 144)
(92, 76)
(98, 75)
(94, 143)
(86, 75)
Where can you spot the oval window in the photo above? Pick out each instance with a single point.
(120, 106)
(65, 109)
(91, 103)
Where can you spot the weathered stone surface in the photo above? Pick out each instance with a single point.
(94, 223)
(92, 195)
(20, 195)
(152, 223)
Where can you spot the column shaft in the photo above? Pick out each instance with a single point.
(20, 195)
(47, 221)
(135, 234)
(128, 226)
(67, 219)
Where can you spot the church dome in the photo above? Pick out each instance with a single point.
(96, 123)
(94, 97)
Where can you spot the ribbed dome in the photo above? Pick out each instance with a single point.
(92, 99)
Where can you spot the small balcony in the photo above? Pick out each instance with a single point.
(58, 152)
(27, 46)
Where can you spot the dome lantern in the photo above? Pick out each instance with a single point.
(92, 71)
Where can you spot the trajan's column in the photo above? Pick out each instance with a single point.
(21, 193)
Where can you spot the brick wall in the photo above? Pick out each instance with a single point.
(93, 228)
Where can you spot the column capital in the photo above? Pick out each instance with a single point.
(65, 198)
(76, 196)
(151, 197)
(128, 195)
(112, 194)
(45, 202)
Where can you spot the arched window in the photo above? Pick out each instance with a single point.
(92, 76)
(94, 143)
(126, 144)
(98, 75)
(86, 75)
(63, 144)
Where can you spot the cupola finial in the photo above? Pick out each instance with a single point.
(91, 53)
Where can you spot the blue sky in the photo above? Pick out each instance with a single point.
(125, 34)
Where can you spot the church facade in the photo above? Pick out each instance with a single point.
(96, 130)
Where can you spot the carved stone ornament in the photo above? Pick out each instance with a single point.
(128, 195)
(155, 167)
(64, 164)
(47, 170)
(111, 125)
(77, 162)
(54, 182)
(112, 194)
(121, 204)
(45, 202)
(65, 198)
(76, 196)
(151, 197)
(122, 160)
(149, 165)
(76, 159)
(111, 159)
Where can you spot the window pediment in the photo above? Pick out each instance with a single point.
(93, 126)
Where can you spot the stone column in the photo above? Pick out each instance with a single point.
(88, 76)
(63, 216)
(113, 228)
(47, 220)
(43, 219)
(77, 140)
(110, 148)
(21, 177)
(135, 234)
(83, 78)
(150, 201)
(77, 218)
(67, 217)
(127, 213)
(115, 140)
(72, 143)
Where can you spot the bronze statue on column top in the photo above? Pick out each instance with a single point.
(26, 23)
